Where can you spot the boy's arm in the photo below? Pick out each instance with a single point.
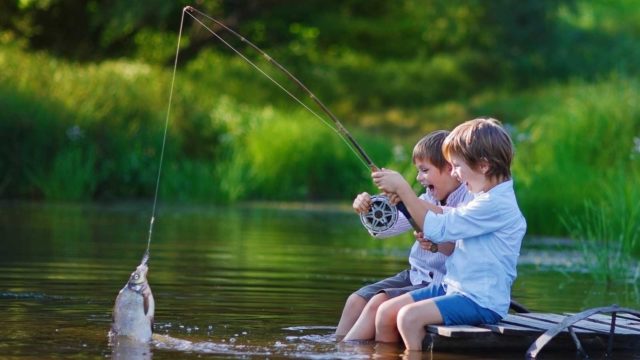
(392, 182)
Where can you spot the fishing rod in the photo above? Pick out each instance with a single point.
(382, 215)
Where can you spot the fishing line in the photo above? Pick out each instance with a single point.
(164, 141)
(382, 215)
(341, 130)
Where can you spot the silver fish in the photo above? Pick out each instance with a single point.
(134, 307)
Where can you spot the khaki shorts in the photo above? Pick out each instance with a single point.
(392, 286)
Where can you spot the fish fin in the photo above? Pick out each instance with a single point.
(146, 303)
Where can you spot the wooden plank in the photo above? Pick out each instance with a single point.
(629, 317)
(509, 329)
(496, 342)
(457, 331)
(519, 331)
(490, 341)
(584, 324)
(534, 323)
(606, 319)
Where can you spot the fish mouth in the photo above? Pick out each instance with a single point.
(145, 258)
(142, 269)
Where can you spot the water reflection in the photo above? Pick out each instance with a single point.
(123, 348)
(228, 282)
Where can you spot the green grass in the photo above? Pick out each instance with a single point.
(569, 153)
(572, 140)
(609, 236)
(218, 149)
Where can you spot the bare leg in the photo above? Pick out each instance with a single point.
(386, 328)
(412, 319)
(352, 309)
(365, 327)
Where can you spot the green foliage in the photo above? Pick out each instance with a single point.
(557, 73)
(98, 136)
(71, 176)
(469, 45)
(569, 153)
(25, 122)
(609, 233)
(309, 154)
(100, 114)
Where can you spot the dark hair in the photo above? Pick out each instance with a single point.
(430, 148)
(478, 140)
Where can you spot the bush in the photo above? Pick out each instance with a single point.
(569, 154)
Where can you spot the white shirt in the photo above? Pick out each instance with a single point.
(483, 264)
(425, 265)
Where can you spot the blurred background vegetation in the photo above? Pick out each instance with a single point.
(84, 90)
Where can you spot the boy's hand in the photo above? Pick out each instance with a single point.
(425, 244)
(388, 181)
(394, 198)
(362, 203)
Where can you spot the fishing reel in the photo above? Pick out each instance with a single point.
(381, 216)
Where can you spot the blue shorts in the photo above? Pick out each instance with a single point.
(456, 309)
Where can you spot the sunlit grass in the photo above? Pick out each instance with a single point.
(609, 234)
(219, 149)
(94, 131)
(568, 154)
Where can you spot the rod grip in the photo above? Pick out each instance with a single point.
(405, 212)
(403, 209)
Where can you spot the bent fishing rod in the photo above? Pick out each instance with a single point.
(382, 215)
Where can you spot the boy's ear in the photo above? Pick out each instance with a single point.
(484, 165)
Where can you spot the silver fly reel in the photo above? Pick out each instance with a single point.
(381, 216)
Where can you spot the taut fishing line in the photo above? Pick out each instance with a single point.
(145, 258)
(382, 216)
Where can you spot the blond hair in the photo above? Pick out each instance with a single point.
(482, 140)
(430, 148)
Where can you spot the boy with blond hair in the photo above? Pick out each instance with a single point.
(482, 268)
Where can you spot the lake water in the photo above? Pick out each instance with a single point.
(258, 281)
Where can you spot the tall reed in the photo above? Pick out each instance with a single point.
(608, 232)
(565, 155)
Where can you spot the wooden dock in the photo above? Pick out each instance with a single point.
(605, 329)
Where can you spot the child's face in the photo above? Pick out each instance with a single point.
(439, 183)
(475, 180)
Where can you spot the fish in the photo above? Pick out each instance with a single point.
(134, 307)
